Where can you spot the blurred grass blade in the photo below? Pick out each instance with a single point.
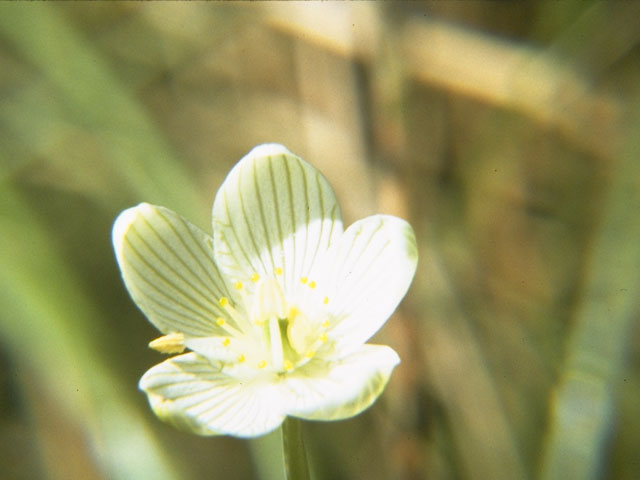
(92, 97)
(44, 325)
(583, 408)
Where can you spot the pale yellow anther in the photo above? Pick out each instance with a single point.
(312, 284)
(326, 324)
(310, 354)
(224, 301)
(326, 300)
(324, 338)
(226, 342)
(262, 364)
(255, 278)
(304, 280)
(220, 321)
(287, 365)
(278, 271)
(241, 358)
(238, 285)
(171, 343)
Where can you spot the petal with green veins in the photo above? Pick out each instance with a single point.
(369, 269)
(273, 213)
(339, 389)
(191, 393)
(168, 268)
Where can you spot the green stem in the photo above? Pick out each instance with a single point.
(295, 455)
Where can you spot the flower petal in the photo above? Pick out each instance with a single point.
(167, 265)
(339, 389)
(191, 393)
(274, 213)
(368, 272)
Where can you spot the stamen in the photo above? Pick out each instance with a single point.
(312, 284)
(304, 280)
(229, 329)
(255, 278)
(226, 342)
(310, 354)
(326, 300)
(241, 321)
(241, 358)
(288, 366)
(238, 285)
(326, 324)
(324, 338)
(262, 364)
(278, 271)
(171, 343)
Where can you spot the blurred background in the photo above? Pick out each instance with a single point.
(507, 133)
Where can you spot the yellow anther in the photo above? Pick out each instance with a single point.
(287, 365)
(224, 301)
(241, 358)
(304, 280)
(171, 343)
(238, 285)
(326, 324)
(226, 342)
(220, 321)
(262, 364)
(324, 338)
(312, 284)
(326, 300)
(278, 271)
(310, 354)
(255, 278)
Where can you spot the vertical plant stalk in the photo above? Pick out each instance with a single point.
(296, 465)
(583, 409)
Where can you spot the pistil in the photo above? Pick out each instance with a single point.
(277, 354)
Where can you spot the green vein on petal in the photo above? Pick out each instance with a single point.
(191, 393)
(168, 268)
(273, 211)
(371, 268)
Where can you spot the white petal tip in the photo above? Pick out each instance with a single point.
(268, 149)
(124, 221)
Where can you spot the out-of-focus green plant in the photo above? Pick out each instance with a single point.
(45, 313)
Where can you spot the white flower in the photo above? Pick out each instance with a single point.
(275, 309)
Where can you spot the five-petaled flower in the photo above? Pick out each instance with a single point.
(275, 309)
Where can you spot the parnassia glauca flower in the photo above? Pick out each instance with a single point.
(275, 309)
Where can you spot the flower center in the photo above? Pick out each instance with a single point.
(292, 337)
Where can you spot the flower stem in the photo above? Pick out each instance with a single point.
(295, 455)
